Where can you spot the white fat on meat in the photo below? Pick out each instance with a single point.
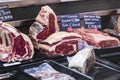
(52, 45)
(4, 33)
(45, 24)
(79, 61)
(3, 38)
(35, 29)
(11, 28)
(52, 48)
(58, 36)
(43, 15)
(4, 55)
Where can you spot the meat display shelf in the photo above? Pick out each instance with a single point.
(106, 68)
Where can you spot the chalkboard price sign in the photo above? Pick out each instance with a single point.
(70, 20)
(5, 13)
(92, 21)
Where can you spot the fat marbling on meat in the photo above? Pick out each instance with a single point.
(45, 24)
(97, 38)
(83, 60)
(60, 44)
(14, 45)
(46, 37)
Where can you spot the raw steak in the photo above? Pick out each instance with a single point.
(14, 45)
(45, 24)
(60, 44)
(84, 60)
(97, 38)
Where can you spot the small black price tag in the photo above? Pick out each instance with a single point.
(70, 20)
(92, 21)
(5, 13)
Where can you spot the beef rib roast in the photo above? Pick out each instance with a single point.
(60, 44)
(97, 38)
(14, 45)
(45, 24)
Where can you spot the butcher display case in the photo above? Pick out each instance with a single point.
(107, 63)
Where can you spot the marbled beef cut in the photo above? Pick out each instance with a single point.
(84, 60)
(97, 38)
(14, 45)
(45, 24)
(60, 44)
(46, 37)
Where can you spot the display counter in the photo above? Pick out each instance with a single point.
(107, 61)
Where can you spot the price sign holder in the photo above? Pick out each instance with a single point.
(92, 21)
(70, 20)
(5, 13)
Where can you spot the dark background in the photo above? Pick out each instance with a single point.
(28, 13)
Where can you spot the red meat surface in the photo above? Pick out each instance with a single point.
(97, 38)
(14, 45)
(60, 44)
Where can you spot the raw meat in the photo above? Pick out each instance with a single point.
(84, 60)
(46, 72)
(97, 38)
(45, 24)
(14, 45)
(60, 44)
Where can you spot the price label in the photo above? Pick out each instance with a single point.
(92, 21)
(11, 64)
(70, 20)
(9, 0)
(5, 13)
(68, 0)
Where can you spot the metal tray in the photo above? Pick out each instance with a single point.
(56, 66)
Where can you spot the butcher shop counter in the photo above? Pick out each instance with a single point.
(104, 69)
